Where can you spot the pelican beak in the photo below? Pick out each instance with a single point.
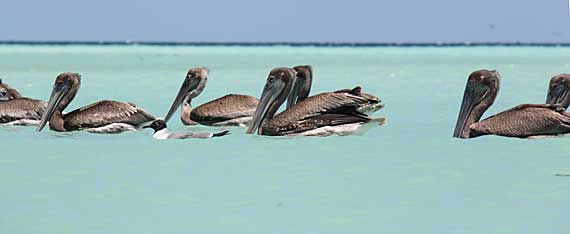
(272, 90)
(471, 98)
(57, 94)
(557, 95)
(188, 85)
(293, 97)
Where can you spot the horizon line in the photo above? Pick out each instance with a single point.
(293, 44)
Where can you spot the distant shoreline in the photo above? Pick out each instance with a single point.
(293, 44)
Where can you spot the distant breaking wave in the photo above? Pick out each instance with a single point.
(292, 44)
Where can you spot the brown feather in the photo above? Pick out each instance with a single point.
(22, 108)
(325, 109)
(106, 112)
(525, 120)
(231, 106)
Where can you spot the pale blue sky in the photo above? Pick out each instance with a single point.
(290, 21)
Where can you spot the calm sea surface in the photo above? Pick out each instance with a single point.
(407, 177)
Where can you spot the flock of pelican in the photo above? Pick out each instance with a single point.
(339, 112)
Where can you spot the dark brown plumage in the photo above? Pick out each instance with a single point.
(21, 109)
(103, 113)
(524, 121)
(527, 120)
(226, 108)
(325, 109)
(302, 86)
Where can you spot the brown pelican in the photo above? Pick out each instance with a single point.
(526, 120)
(18, 110)
(559, 90)
(100, 117)
(320, 115)
(229, 110)
(161, 132)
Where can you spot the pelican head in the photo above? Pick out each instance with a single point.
(8, 93)
(559, 90)
(276, 90)
(302, 84)
(480, 93)
(193, 85)
(62, 93)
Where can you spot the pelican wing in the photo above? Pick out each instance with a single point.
(23, 108)
(524, 121)
(231, 106)
(358, 92)
(325, 109)
(324, 103)
(105, 112)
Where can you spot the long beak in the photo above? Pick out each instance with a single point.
(557, 95)
(293, 97)
(147, 126)
(469, 102)
(57, 95)
(270, 93)
(188, 85)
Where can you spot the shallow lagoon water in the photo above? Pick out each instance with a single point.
(409, 176)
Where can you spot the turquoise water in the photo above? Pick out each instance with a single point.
(409, 176)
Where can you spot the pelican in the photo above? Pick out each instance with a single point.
(333, 113)
(523, 121)
(229, 110)
(559, 90)
(161, 132)
(18, 110)
(100, 117)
